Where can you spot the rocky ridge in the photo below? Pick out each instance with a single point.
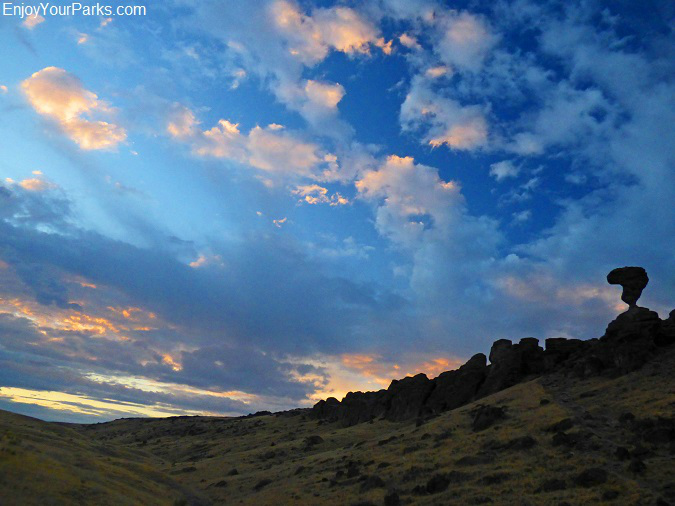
(628, 343)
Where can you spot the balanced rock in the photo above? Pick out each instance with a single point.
(632, 279)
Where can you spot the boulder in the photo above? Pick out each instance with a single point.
(591, 477)
(486, 416)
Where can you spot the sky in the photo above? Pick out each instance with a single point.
(220, 207)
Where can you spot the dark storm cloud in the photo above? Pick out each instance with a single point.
(268, 295)
(24, 363)
(268, 292)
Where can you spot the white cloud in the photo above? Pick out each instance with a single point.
(409, 41)
(411, 199)
(222, 141)
(311, 37)
(437, 71)
(465, 40)
(274, 151)
(316, 101)
(324, 95)
(60, 96)
(568, 117)
(503, 170)
(315, 194)
(182, 122)
(270, 149)
(278, 41)
(522, 216)
(445, 120)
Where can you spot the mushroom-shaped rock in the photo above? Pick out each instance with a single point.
(632, 279)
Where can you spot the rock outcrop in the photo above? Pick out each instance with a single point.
(629, 341)
(455, 388)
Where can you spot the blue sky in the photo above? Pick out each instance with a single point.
(219, 207)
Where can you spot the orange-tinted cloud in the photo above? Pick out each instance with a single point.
(32, 21)
(315, 194)
(207, 260)
(324, 94)
(172, 362)
(60, 96)
(467, 135)
(311, 37)
(35, 184)
(269, 149)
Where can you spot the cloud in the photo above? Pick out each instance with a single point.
(437, 71)
(522, 216)
(274, 151)
(445, 120)
(36, 184)
(182, 122)
(206, 261)
(33, 184)
(568, 118)
(315, 194)
(412, 200)
(300, 306)
(32, 21)
(222, 141)
(311, 37)
(465, 40)
(271, 149)
(503, 170)
(278, 40)
(325, 95)
(60, 96)
(332, 248)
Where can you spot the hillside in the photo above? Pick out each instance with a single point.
(594, 424)
(609, 425)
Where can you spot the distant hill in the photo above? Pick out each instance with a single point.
(581, 422)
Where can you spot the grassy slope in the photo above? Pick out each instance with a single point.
(136, 461)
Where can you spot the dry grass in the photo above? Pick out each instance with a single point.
(189, 460)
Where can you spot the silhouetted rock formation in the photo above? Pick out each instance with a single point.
(632, 279)
(629, 341)
(511, 363)
(456, 388)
